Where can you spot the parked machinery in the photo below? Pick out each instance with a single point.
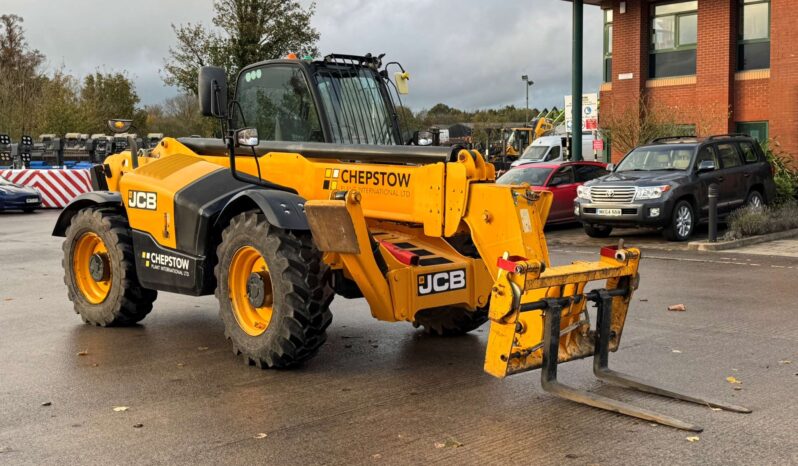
(49, 151)
(24, 152)
(101, 146)
(76, 148)
(153, 139)
(6, 159)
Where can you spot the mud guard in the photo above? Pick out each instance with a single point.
(282, 209)
(81, 202)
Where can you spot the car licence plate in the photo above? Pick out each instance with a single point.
(32, 200)
(609, 212)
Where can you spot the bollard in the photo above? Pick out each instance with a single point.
(713, 213)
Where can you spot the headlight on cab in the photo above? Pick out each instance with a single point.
(583, 192)
(651, 192)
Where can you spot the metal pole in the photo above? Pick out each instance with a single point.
(527, 102)
(713, 212)
(576, 83)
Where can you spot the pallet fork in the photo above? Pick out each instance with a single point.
(603, 300)
(566, 333)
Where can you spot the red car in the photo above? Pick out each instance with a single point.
(561, 178)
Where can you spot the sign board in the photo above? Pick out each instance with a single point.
(598, 144)
(589, 112)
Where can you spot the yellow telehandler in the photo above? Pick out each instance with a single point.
(310, 193)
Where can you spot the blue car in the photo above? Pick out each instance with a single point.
(16, 196)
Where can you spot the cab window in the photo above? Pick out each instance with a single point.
(277, 101)
(554, 153)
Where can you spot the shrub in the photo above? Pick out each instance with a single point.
(785, 174)
(752, 221)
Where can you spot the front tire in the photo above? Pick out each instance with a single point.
(100, 272)
(597, 231)
(273, 292)
(682, 222)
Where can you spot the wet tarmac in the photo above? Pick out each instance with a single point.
(382, 393)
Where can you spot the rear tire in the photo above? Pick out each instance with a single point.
(597, 231)
(682, 222)
(298, 293)
(755, 200)
(450, 321)
(119, 300)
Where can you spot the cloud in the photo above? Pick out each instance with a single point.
(466, 53)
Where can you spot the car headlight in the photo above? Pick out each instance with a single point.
(583, 192)
(651, 192)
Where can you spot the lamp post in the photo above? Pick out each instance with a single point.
(529, 83)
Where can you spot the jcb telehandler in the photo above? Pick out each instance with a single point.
(313, 196)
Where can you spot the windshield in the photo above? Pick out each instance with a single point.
(657, 158)
(535, 152)
(354, 104)
(277, 101)
(533, 176)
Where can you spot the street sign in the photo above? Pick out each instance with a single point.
(589, 112)
(598, 144)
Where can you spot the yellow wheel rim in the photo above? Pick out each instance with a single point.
(91, 268)
(251, 293)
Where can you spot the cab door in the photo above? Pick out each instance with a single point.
(562, 185)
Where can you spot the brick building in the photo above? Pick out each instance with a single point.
(718, 65)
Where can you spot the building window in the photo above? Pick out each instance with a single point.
(753, 50)
(607, 46)
(757, 130)
(674, 36)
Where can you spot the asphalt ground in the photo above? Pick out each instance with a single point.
(382, 393)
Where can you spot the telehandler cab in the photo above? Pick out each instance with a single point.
(314, 196)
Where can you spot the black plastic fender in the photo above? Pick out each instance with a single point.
(81, 202)
(282, 209)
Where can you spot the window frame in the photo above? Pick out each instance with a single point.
(676, 27)
(741, 42)
(608, 31)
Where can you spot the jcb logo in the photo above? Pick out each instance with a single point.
(440, 282)
(142, 200)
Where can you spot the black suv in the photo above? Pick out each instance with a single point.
(665, 184)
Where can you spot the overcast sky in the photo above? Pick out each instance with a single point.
(466, 53)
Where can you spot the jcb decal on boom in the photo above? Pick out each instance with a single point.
(142, 200)
(439, 282)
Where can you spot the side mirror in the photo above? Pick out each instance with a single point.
(706, 166)
(212, 91)
(556, 181)
(422, 138)
(610, 167)
(247, 137)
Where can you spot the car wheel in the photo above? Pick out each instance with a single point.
(597, 231)
(755, 200)
(682, 222)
